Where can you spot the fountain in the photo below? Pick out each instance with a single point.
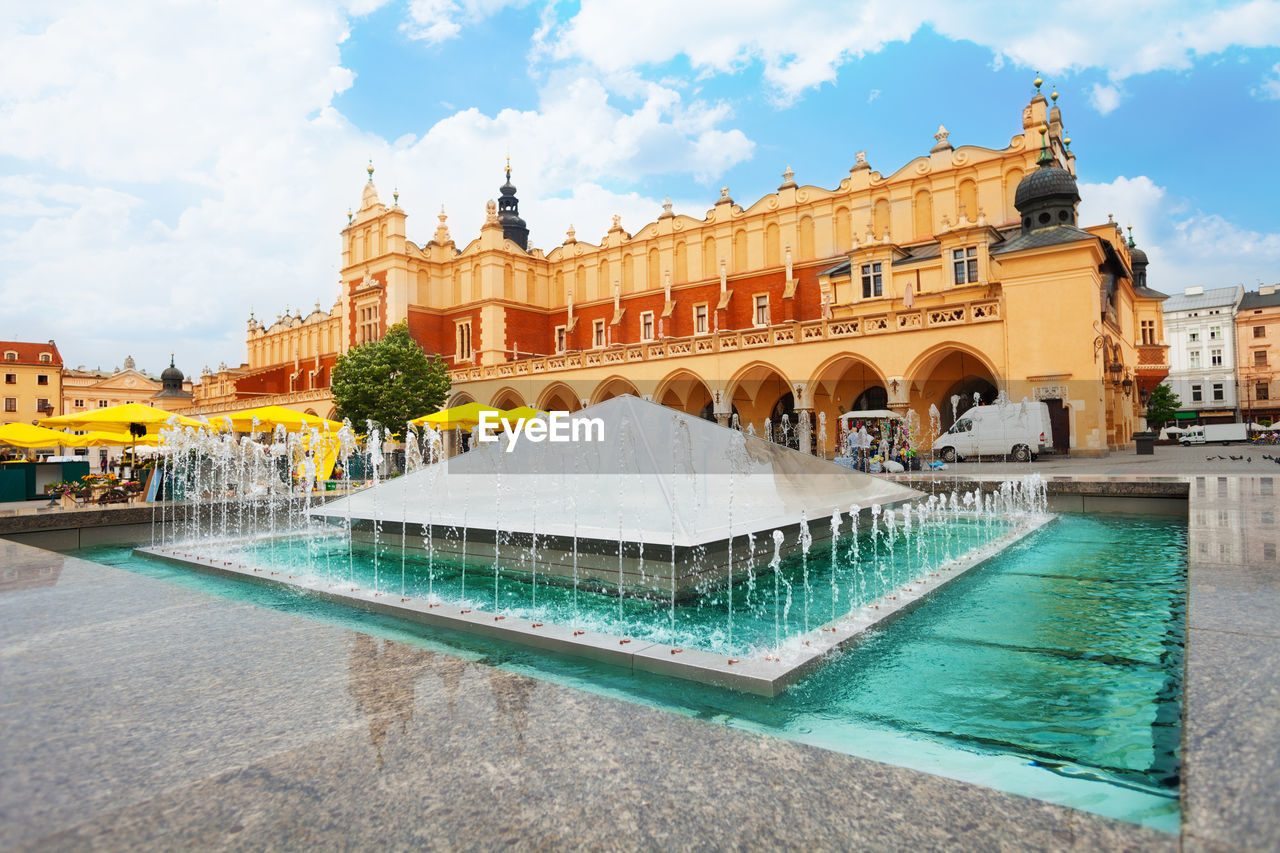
(645, 548)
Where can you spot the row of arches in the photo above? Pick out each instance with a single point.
(947, 377)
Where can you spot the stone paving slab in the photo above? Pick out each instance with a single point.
(143, 715)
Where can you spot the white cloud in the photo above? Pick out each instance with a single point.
(178, 166)
(434, 21)
(1186, 246)
(801, 45)
(1104, 97)
(1269, 88)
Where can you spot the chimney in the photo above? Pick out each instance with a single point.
(1197, 290)
(1266, 290)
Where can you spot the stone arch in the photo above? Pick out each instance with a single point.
(1011, 180)
(506, 398)
(686, 392)
(772, 247)
(844, 230)
(651, 271)
(836, 386)
(923, 211)
(967, 201)
(709, 262)
(457, 399)
(333, 414)
(739, 250)
(682, 262)
(950, 369)
(614, 386)
(558, 397)
(754, 391)
(805, 235)
(628, 273)
(880, 217)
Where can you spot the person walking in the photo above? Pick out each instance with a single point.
(102, 464)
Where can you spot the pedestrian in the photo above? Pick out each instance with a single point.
(102, 463)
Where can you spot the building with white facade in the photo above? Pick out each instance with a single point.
(1199, 326)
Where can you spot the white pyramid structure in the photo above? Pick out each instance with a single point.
(657, 480)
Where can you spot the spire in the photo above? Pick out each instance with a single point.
(1131, 243)
(370, 170)
(513, 227)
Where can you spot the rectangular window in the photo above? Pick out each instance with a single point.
(1215, 357)
(1259, 331)
(964, 263)
(700, 319)
(463, 347)
(42, 404)
(79, 404)
(102, 404)
(1197, 393)
(10, 355)
(872, 284)
(762, 309)
(1260, 358)
(1217, 392)
(42, 379)
(1215, 333)
(599, 334)
(1194, 357)
(11, 379)
(646, 326)
(562, 339)
(1148, 332)
(1194, 336)
(11, 404)
(1261, 392)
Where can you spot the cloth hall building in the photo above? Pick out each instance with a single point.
(963, 271)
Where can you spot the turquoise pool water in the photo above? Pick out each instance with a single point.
(1052, 671)
(762, 610)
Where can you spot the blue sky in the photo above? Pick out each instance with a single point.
(166, 168)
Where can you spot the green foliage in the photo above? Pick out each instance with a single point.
(389, 382)
(1162, 405)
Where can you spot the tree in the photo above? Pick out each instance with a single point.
(1162, 405)
(389, 381)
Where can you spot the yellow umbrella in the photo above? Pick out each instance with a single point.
(28, 436)
(269, 417)
(101, 438)
(121, 418)
(466, 416)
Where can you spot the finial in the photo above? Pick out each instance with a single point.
(370, 170)
(666, 206)
(508, 168)
(171, 356)
(572, 234)
(788, 174)
(1111, 218)
(395, 196)
(1066, 140)
(1045, 158)
(350, 217)
(1038, 82)
(1053, 96)
(724, 194)
(1131, 243)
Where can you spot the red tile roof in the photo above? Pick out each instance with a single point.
(29, 353)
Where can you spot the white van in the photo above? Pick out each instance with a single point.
(1016, 430)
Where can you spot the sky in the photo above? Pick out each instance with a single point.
(168, 167)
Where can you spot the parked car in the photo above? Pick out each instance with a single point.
(1016, 430)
